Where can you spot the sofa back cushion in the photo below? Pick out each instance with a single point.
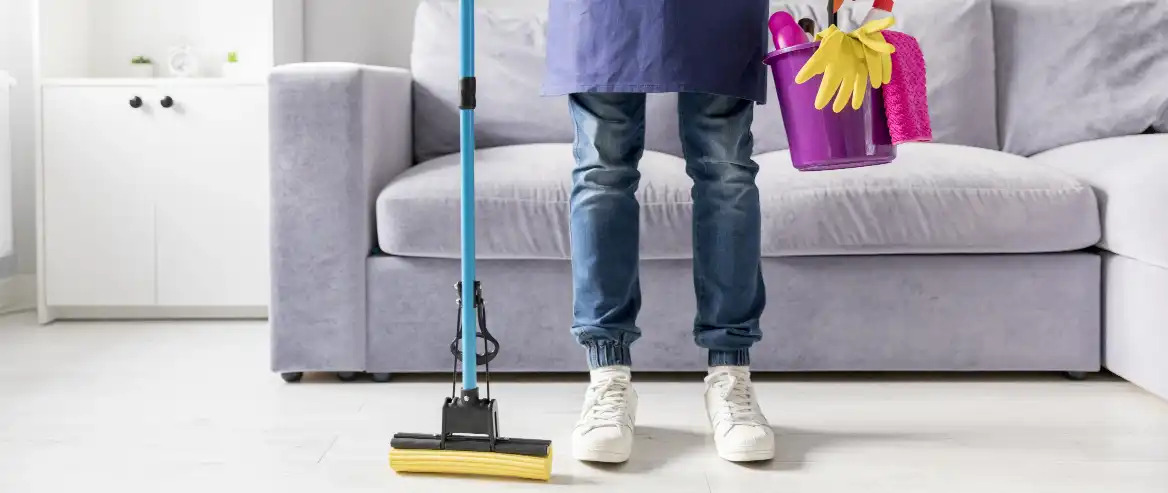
(1077, 70)
(957, 39)
(509, 63)
(956, 36)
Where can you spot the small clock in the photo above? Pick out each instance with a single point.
(182, 62)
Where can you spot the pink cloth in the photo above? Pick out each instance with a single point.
(906, 100)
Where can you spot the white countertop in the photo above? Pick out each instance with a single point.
(157, 81)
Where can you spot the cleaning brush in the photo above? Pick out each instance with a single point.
(469, 442)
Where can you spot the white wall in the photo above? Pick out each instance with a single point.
(211, 27)
(64, 32)
(86, 38)
(6, 245)
(16, 56)
(376, 32)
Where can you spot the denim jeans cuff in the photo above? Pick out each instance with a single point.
(740, 357)
(601, 354)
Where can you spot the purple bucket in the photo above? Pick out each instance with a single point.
(822, 139)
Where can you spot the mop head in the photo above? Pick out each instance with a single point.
(462, 462)
(470, 445)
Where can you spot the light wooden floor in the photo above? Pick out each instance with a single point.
(191, 407)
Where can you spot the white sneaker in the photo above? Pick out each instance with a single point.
(741, 432)
(605, 430)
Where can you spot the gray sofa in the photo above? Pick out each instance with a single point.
(974, 253)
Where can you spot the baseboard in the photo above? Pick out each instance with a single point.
(157, 312)
(18, 293)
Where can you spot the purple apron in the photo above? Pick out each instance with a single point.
(709, 46)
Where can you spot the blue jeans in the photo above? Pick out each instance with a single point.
(605, 224)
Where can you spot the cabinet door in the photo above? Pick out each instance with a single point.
(98, 196)
(213, 200)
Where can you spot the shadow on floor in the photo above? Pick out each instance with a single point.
(655, 447)
(796, 447)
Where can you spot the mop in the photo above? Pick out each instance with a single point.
(469, 442)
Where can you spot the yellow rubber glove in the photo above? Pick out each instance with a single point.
(877, 51)
(835, 59)
(847, 62)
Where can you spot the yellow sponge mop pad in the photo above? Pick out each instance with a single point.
(472, 463)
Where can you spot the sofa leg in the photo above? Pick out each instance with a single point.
(380, 377)
(1077, 376)
(347, 376)
(292, 377)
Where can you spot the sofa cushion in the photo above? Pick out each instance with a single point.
(1079, 70)
(521, 204)
(510, 54)
(1130, 176)
(957, 38)
(509, 68)
(935, 198)
(955, 35)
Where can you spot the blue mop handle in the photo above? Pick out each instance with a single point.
(469, 327)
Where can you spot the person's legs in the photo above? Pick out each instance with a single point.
(716, 138)
(727, 223)
(605, 226)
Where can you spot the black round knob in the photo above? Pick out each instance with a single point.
(167, 102)
(136, 102)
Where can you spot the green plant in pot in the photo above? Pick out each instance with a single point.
(141, 66)
(232, 68)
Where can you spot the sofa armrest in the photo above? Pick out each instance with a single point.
(339, 134)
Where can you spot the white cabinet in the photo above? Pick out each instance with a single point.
(212, 211)
(98, 202)
(153, 210)
(155, 195)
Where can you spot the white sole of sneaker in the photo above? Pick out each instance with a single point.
(747, 455)
(605, 456)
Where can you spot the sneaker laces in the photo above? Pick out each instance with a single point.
(607, 404)
(737, 396)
